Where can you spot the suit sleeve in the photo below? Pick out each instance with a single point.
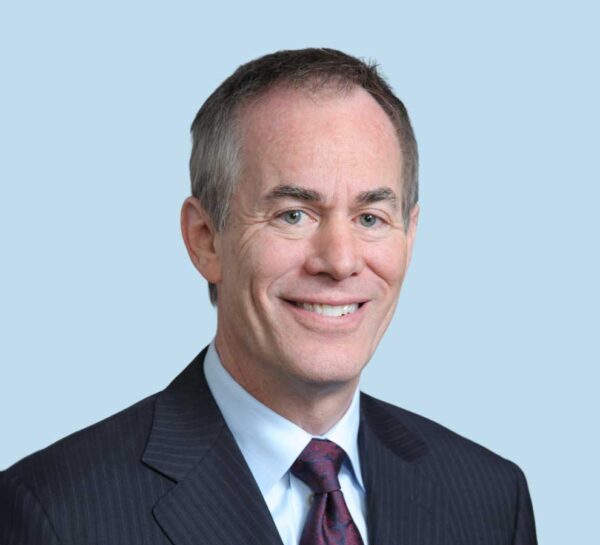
(524, 533)
(23, 520)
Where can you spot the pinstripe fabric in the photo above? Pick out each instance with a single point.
(428, 485)
(167, 470)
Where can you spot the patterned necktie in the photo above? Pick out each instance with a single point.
(329, 522)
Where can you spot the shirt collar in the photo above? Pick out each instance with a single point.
(269, 442)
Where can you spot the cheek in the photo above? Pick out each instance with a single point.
(270, 260)
(388, 261)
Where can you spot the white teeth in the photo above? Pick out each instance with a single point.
(329, 310)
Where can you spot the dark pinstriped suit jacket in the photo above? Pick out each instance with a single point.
(167, 470)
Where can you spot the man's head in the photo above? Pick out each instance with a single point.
(215, 159)
(310, 245)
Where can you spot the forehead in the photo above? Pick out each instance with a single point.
(321, 138)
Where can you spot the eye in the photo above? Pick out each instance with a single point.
(369, 220)
(292, 217)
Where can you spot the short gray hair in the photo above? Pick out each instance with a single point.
(214, 162)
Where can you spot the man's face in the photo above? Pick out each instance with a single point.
(314, 256)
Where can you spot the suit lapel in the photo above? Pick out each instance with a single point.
(215, 500)
(404, 507)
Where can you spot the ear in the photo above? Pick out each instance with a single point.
(411, 231)
(201, 239)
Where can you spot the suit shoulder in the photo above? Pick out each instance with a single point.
(104, 444)
(444, 445)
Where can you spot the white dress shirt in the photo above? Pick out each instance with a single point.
(270, 444)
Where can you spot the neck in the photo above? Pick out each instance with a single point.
(314, 406)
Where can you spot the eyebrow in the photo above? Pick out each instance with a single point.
(305, 194)
(377, 195)
(294, 192)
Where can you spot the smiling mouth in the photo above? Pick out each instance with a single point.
(334, 311)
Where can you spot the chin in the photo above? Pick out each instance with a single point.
(328, 369)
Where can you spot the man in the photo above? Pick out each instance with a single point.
(302, 220)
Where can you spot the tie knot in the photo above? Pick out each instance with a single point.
(318, 465)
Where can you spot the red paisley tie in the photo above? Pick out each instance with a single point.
(329, 522)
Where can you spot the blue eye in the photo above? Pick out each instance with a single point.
(292, 216)
(368, 220)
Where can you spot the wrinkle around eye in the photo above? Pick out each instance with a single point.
(381, 230)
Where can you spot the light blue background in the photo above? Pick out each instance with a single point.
(496, 333)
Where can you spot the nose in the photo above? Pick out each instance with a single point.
(335, 250)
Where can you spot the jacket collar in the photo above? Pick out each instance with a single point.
(215, 500)
(186, 423)
(404, 506)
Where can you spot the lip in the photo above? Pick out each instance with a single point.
(327, 324)
(325, 301)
